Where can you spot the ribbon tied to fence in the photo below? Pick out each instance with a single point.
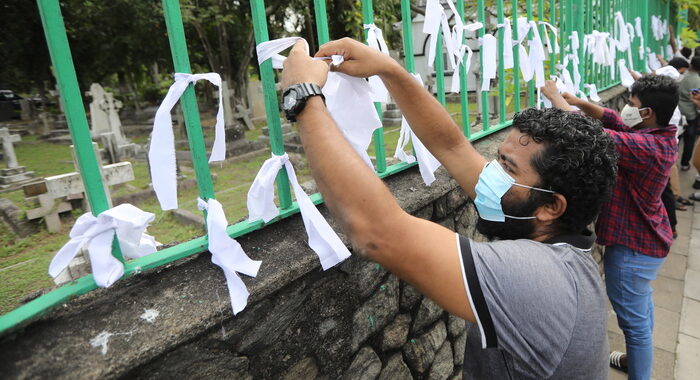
(375, 40)
(261, 205)
(161, 155)
(97, 232)
(228, 254)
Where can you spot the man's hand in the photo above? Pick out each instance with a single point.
(572, 100)
(551, 91)
(300, 68)
(695, 98)
(360, 60)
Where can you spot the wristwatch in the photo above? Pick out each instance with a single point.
(295, 96)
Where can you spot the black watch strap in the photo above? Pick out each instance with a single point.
(295, 96)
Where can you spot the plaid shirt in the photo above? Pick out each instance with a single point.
(635, 216)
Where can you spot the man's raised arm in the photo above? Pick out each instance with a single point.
(426, 116)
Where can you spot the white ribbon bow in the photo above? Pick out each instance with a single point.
(489, 55)
(161, 154)
(435, 20)
(507, 43)
(592, 92)
(625, 76)
(228, 254)
(546, 36)
(127, 221)
(322, 239)
(375, 39)
(536, 57)
(271, 49)
(623, 37)
(427, 163)
(456, 75)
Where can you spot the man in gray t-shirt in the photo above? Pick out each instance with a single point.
(543, 313)
(535, 294)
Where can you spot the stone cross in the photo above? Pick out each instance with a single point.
(99, 119)
(8, 148)
(112, 107)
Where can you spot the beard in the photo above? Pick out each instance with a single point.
(511, 229)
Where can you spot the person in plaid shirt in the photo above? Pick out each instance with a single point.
(633, 225)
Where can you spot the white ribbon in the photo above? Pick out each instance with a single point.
(427, 163)
(640, 34)
(322, 239)
(434, 21)
(507, 43)
(546, 36)
(658, 27)
(536, 56)
(228, 254)
(592, 91)
(375, 39)
(489, 56)
(623, 37)
(349, 101)
(456, 76)
(271, 49)
(127, 221)
(526, 67)
(161, 154)
(653, 61)
(625, 76)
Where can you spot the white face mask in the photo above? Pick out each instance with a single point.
(631, 116)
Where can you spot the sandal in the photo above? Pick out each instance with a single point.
(684, 201)
(616, 361)
(680, 206)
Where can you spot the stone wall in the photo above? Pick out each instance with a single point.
(354, 321)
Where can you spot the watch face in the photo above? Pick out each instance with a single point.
(289, 100)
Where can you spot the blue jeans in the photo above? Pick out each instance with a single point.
(628, 276)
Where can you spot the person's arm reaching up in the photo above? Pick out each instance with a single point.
(422, 253)
(427, 118)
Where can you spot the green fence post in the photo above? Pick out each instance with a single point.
(181, 63)
(552, 37)
(440, 71)
(406, 25)
(463, 73)
(485, 119)
(646, 24)
(531, 84)
(267, 77)
(378, 137)
(59, 50)
(516, 58)
(501, 67)
(321, 21)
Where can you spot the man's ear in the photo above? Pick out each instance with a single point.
(553, 210)
(649, 114)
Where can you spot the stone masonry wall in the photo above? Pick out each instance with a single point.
(354, 321)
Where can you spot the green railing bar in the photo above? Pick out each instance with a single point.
(378, 136)
(463, 81)
(552, 37)
(516, 58)
(531, 83)
(321, 21)
(181, 63)
(579, 27)
(501, 66)
(267, 77)
(485, 118)
(439, 71)
(406, 23)
(67, 81)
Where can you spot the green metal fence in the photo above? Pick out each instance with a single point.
(582, 16)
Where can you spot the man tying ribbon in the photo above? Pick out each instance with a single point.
(534, 297)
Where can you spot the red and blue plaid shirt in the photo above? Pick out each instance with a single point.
(635, 216)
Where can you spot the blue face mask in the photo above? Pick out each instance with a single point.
(493, 183)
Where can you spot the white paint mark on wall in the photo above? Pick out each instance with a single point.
(150, 315)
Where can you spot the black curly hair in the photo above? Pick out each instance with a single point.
(658, 92)
(578, 161)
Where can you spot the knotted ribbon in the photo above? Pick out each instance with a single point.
(97, 232)
(161, 154)
(436, 20)
(261, 205)
(508, 62)
(489, 55)
(464, 48)
(592, 92)
(427, 163)
(375, 40)
(228, 254)
(625, 77)
(546, 36)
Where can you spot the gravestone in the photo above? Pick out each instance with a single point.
(392, 115)
(106, 124)
(256, 100)
(14, 174)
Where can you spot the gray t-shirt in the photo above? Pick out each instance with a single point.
(540, 310)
